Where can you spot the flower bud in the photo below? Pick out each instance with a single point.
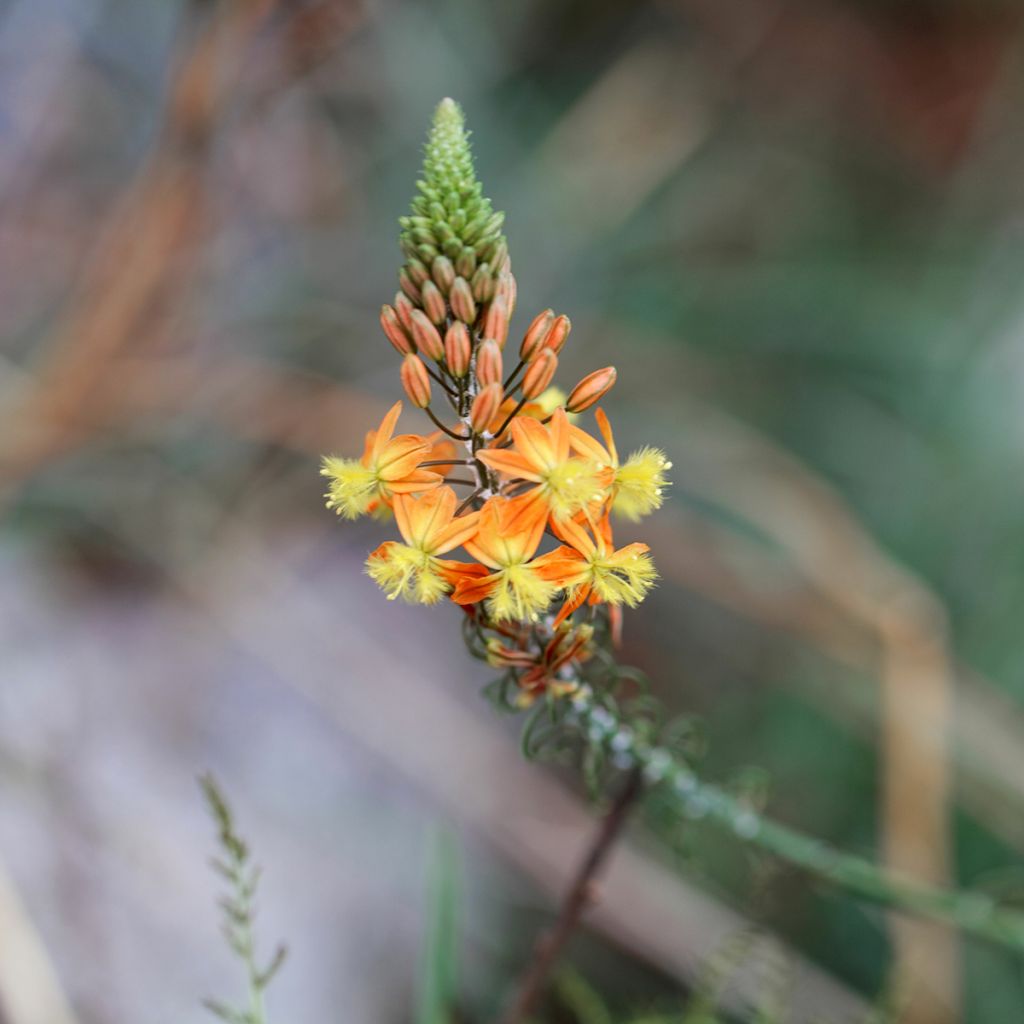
(488, 362)
(485, 407)
(539, 373)
(404, 308)
(483, 284)
(533, 340)
(416, 381)
(557, 334)
(507, 290)
(444, 273)
(408, 285)
(496, 322)
(394, 330)
(433, 303)
(591, 389)
(417, 271)
(461, 298)
(424, 333)
(465, 263)
(458, 349)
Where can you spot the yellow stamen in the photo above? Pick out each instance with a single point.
(520, 594)
(353, 487)
(407, 572)
(623, 577)
(639, 483)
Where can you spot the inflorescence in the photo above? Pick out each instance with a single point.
(531, 475)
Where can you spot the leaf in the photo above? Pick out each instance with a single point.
(439, 963)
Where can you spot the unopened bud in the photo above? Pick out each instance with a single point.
(416, 381)
(557, 334)
(424, 333)
(485, 407)
(539, 373)
(507, 290)
(533, 340)
(591, 389)
(458, 349)
(394, 330)
(465, 263)
(444, 273)
(404, 308)
(461, 298)
(483, 284)
(488, 362)
(408, 285)
(496, 322)
(433, 303)
(417, 271)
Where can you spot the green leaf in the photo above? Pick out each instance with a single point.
(439, 964)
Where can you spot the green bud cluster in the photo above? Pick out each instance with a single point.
(452, 233)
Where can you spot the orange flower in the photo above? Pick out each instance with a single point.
(636, 484)
(517, 587)
(389, 466)
(593, 568)
(413, 570)
(542, 456)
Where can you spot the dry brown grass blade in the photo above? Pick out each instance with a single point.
(742, 471)
(133, 282)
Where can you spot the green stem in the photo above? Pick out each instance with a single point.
(973, 912)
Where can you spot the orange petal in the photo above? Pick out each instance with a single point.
(583, 444)
(457, 532)
(509, 463)
(401, 455)
(419, 480)
(533, 442)
(470, 591)
(606, 432)
(385, 430)
(572, 533)
(559, 432)
(571, 605)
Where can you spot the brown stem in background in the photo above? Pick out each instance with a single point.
(550, 945)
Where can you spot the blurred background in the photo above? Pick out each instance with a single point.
(794, 225)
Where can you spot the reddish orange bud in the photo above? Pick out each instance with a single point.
(444, 273)
(465, 264)
(485, 407)
(424, 333)
(533, 340)
(461, 298)
(557, 334)
(394, 330)
(539, 373)
(483, 284)
(496, 322)
(488, 362)
(458, 349)
(591, 389)
(507, 290)
(416, 381)
(408, 285)
(417, 271)
(404, 308)
(433, 303)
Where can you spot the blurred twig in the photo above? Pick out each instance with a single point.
(581, 893)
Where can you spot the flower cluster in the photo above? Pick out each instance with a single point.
(533, 477)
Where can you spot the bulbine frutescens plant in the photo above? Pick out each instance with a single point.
(532, 474)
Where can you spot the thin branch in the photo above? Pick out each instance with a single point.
(580, 895)
(441, 426)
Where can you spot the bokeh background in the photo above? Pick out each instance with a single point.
(794, 225)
